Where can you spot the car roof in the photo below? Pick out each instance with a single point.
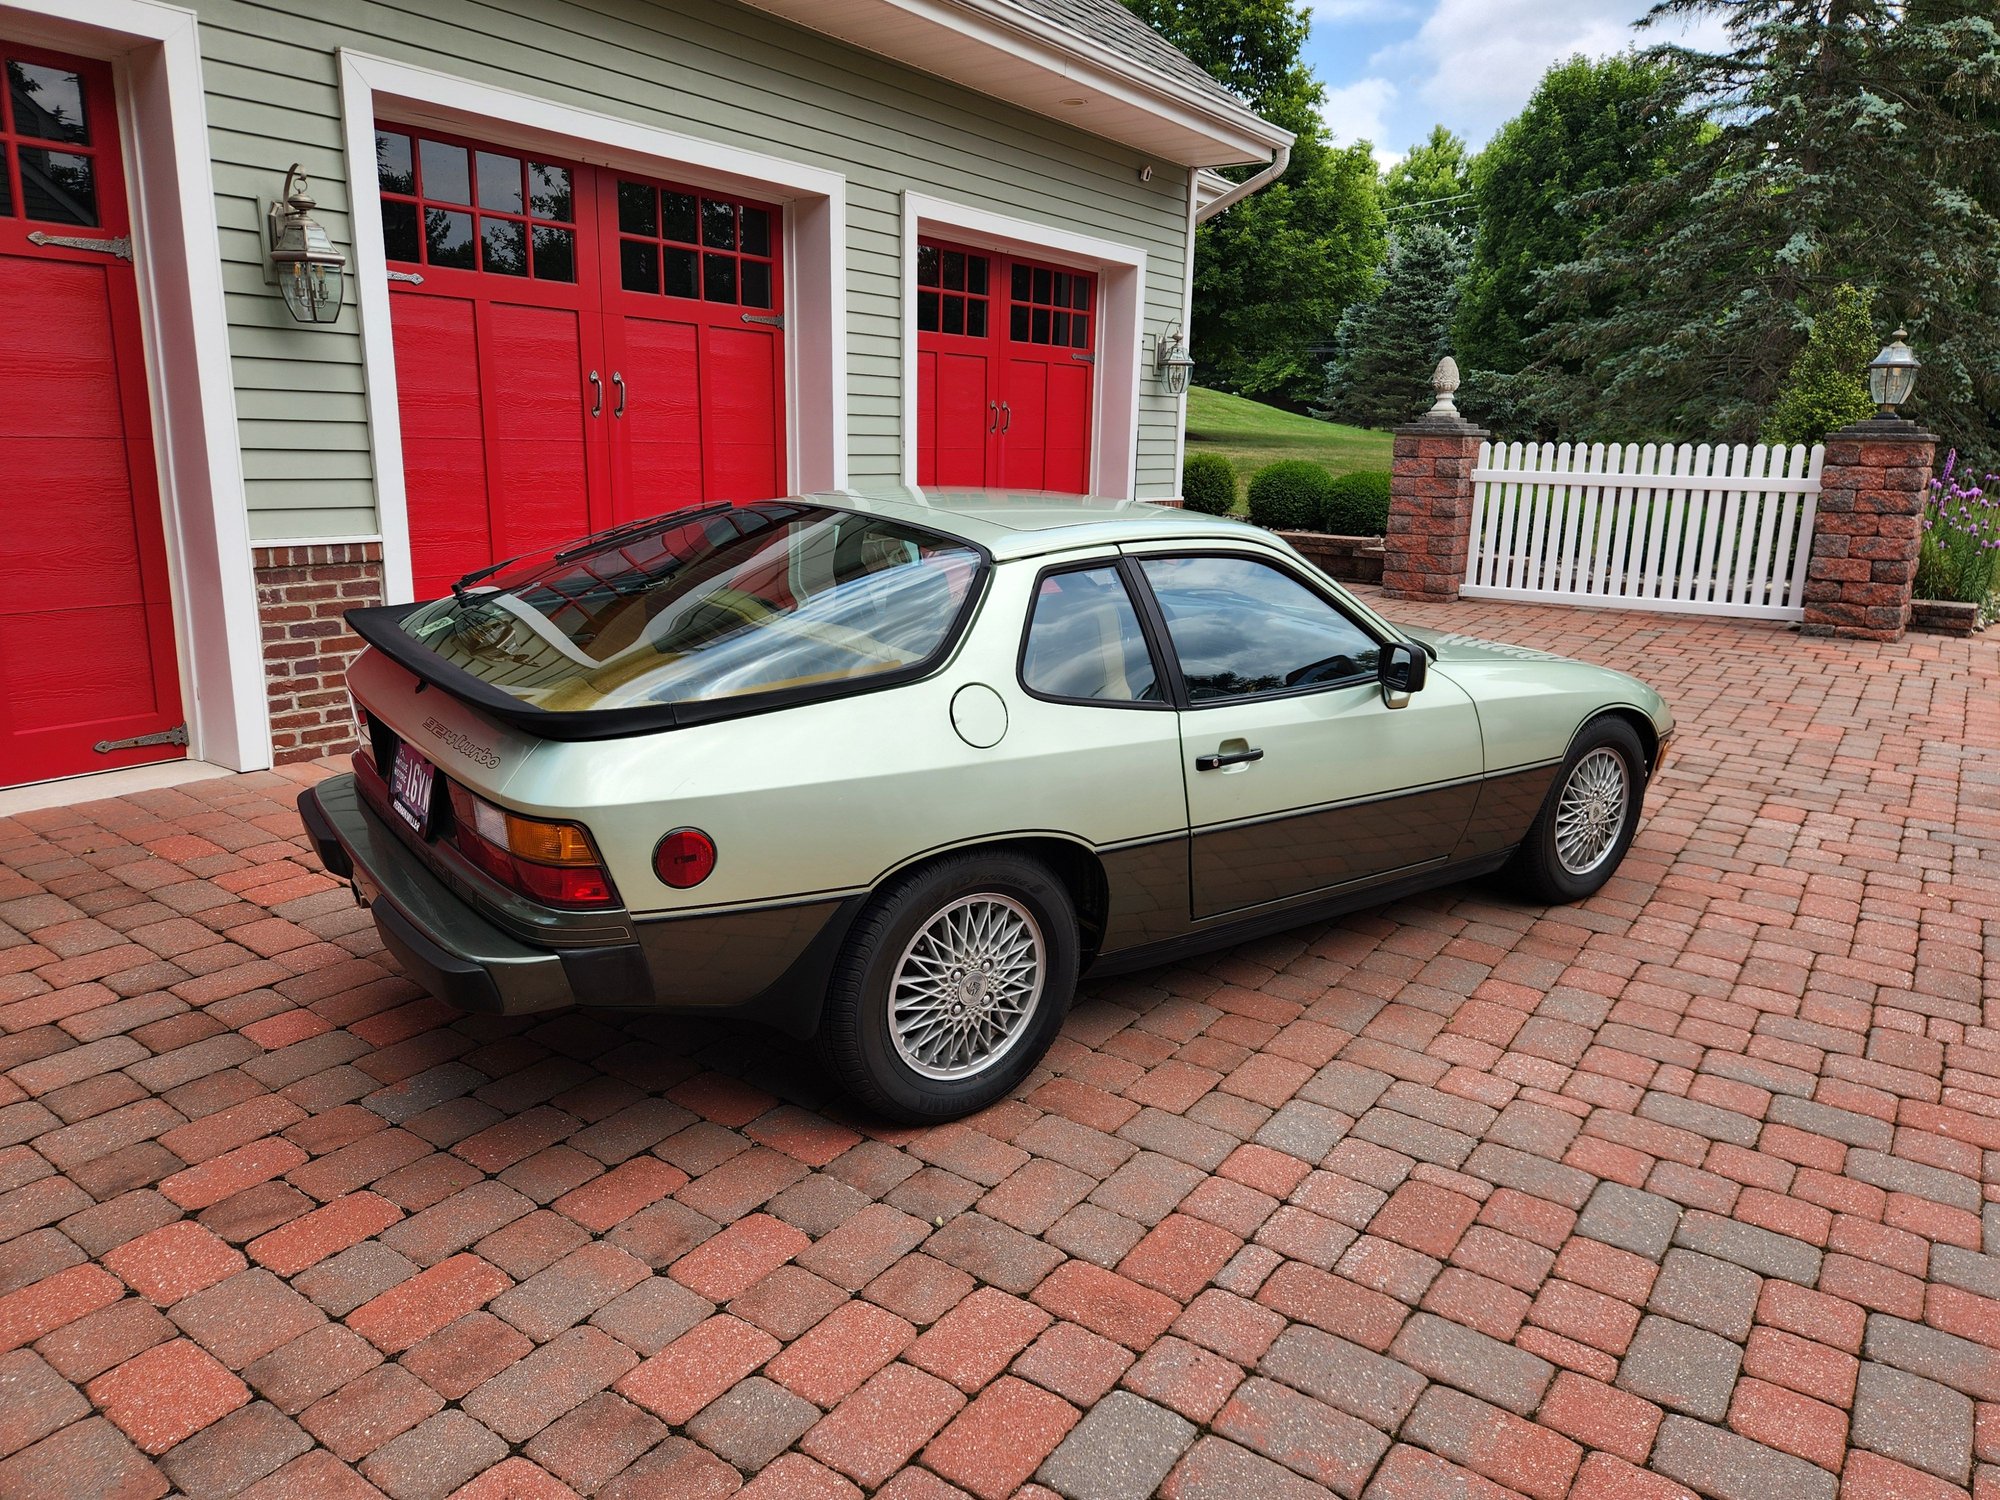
(1030, 523)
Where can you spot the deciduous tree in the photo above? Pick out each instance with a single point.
(1274, 273)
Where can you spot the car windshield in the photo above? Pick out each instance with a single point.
(713, 603)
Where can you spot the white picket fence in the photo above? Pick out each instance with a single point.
(1693, 529)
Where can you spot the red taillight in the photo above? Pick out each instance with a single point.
(552, 863)
(684, 857)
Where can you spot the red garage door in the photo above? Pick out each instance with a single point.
(1004, 354)
(575, 347)
(86, 629)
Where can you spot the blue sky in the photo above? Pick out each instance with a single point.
(1394, 68)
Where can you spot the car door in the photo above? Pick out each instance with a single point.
(1300, 777)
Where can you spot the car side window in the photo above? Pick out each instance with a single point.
(1084, 641)
(1241, 627)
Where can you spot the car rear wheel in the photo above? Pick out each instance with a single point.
(951, 986)
(1588, 819)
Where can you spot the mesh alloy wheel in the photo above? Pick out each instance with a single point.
(966, 986)
(1591, 811)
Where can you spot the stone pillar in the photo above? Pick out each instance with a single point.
(1868, 529)
(1430, 506)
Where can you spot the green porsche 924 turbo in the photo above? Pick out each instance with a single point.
(892, 772)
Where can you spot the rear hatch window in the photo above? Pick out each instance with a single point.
(694, 614)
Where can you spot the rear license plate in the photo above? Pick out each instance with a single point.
(410, 784)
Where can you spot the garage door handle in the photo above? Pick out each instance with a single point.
(619, 381)
(992, 417)
(1218, 760)
(1006, 418)
(596, 394)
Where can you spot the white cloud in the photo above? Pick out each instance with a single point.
(1473, 63)
(1358, 112)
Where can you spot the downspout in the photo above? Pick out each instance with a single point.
(1281, 157)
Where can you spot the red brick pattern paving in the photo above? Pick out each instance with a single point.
(1694, 1188)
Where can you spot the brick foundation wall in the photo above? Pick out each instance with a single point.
(1430, 508)
(302, 592)
(1866, 536)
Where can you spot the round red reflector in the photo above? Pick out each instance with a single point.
(684, 858)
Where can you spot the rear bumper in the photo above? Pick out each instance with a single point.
(442, 942)
(768, 964)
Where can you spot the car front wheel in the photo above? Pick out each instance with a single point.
(951, 986)
(1587, 822)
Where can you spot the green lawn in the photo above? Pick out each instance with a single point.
(1250, 434)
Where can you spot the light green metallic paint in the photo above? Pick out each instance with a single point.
(829, 797)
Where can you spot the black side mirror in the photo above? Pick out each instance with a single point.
(1402, 670)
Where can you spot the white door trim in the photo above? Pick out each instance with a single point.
(815, 234)
(1121, 285)
(163, 132)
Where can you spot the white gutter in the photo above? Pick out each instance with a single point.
(1281, 158)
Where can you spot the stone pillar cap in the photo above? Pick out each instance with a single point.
(1883, 430)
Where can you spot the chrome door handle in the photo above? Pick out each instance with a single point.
(992, 417)
(596, 394)
(619, 381)
(1218, 760)
(1006, 418)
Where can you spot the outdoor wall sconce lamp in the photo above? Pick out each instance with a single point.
(305, 264)
(1892, 375)
(1171, 361)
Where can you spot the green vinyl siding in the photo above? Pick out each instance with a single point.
(706, 68)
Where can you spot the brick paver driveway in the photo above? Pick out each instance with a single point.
(1690, 1186)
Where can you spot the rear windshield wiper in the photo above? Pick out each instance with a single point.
(589, 543)
(600, 539)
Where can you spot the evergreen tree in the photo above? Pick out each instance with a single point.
(1548, 180)
(1433, 181)
(1845, 141)
(1827, 387)
(1274, 273)
(1388, 347)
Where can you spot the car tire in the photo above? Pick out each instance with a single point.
(993, 934)
(1577, 841)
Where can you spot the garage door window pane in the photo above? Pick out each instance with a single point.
(756, 232)
(1085, 641)
(48, 103)
(6, 192)
(399, 231)
(58, 187)
(500, 182)
(1242, 628)
(975, 318)
(677, 217)
(756, 284)
(718, 224)
(681, 274)
(506, 246)
(549, 192)
(954, 315)
(394, 172)
(555, 254)
(448, 239)
(718, 275)
(638, 208)
(446, 172)
(638, 266)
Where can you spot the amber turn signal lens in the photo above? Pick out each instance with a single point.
(549, 843)
(684, 857)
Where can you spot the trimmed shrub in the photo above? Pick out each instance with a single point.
(1290, 495)
(1208, 484)
(1358, 504)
